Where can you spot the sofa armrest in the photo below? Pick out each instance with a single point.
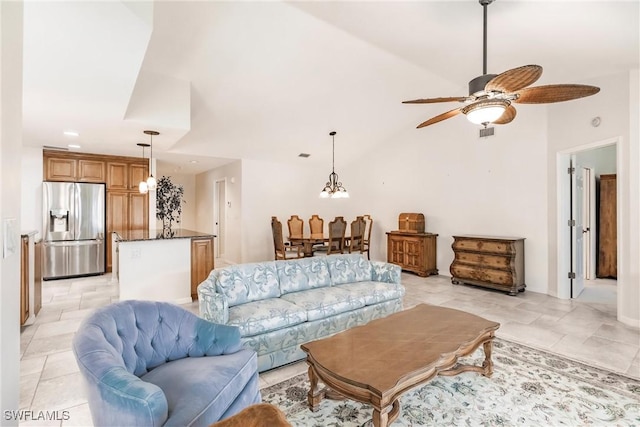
(385, 272)
(213, 305)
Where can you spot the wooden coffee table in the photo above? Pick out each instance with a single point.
(377, 362)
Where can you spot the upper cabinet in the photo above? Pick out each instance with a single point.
(91, 170)
(59, 169)
(119, 173)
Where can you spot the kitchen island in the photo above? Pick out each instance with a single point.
(161, 265)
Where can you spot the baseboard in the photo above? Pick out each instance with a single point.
(634, 323)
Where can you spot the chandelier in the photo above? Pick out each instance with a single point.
(333, 188)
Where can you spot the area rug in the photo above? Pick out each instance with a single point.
(529, 387)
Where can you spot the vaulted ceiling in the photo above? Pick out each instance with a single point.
(269, 80)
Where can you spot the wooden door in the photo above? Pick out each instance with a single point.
(607, 228)
(201, 262)
(117, 217)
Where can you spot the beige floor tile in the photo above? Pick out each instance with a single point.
(76, 314)
(34, 365)
(28, 385)
(57, 364)
(95, 302)
(528, 334)
(619, 333)
(550, 312)
(584, 327)
(598, 352)
(79, 416)
(49, 345)
(51, 329)
(513, 314)
(58, 393)
(276, 376)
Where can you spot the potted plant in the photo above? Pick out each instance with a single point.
(168, 202)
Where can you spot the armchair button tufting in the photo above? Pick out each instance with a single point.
(159, 319)
(196, 338)
(177, 337)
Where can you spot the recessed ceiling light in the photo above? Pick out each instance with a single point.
(193, 161)
(73, 146)
(71, 133)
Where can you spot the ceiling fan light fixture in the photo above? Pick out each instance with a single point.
(485, 112)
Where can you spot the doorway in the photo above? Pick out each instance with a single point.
(219, 216)
(579, 170)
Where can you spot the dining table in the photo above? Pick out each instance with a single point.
(308, 242)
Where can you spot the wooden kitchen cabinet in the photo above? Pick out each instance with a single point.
(91, 170)
(117, 176)
(137, 173)
(125, 211)
(60, 169)
(492, 262)
(201, 262)
(24, 279)
(414, 252)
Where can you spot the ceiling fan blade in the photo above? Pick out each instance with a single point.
(440, 118)
(554, 93)
(506, 117)
(514, 79)
(434, 100)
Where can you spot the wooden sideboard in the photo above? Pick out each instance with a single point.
(415, 252)
(492, 262)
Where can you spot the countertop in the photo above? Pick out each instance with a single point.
(158, 234)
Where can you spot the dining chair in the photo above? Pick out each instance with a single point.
(356, 241)
(282, 251)
(337, 228)
(296, 226)
(316, 225)
(367, 234)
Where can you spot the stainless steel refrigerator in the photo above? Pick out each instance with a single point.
(73, 229)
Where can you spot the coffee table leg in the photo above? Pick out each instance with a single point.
(487, 364)
(384, 417)
(315, 394)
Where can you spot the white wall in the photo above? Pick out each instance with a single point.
(31, 185)
(601, 160)
(569, 127)
(205, 185)
(11, 23)
(188, 182)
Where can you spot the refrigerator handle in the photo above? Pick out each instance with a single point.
(74, 213)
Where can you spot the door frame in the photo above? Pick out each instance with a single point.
(220, 223)
(563, 241)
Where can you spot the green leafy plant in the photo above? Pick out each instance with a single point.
(168, 201)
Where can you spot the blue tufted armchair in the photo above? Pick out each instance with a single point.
(156, 364)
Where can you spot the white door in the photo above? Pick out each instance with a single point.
(577, 241)
(588, 223)
(219, 216)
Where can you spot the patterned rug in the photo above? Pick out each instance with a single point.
(529, 387)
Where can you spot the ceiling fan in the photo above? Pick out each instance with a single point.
(491, 95)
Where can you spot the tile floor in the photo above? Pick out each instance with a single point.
(585, 331)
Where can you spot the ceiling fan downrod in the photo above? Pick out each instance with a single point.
(477, 85)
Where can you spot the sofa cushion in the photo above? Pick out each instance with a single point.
(349, 268)
(259, 317)
(242, 283)
(321, 303)
(303, 274)
(374, 292)
(202, 388)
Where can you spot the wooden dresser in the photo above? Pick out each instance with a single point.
(492, 262)
(415, 252)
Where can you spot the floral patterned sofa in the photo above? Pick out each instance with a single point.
(279, 305)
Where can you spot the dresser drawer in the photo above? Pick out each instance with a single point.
(483, 246)
(503, 262)
(487, 275)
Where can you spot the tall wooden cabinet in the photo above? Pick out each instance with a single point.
(492, 262)
(201, 262)
(607, 228)
(126, 208)
(414, 252)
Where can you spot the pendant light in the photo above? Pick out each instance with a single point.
(151, 181)
(333, 188)
(142, 186)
